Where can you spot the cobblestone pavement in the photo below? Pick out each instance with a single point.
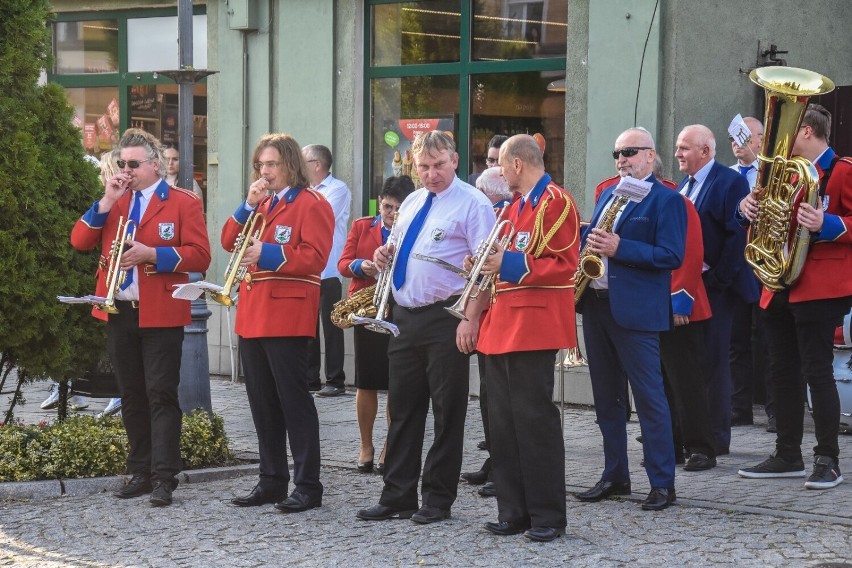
(720, 518)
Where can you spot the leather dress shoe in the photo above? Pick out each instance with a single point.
(161, 494)
(383, 512)
(259, 496)
(604, 489)
(488, 490)
(475, 477)
(699, 462)
(505, 528)
(544, 534)
(365, 467)
(658, 499)
(139, 484)
(298, 502)
(482, 445)
(429, 514)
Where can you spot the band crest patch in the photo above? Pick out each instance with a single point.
(282, 234)
(522, 240)
(167, 231)
(438, 235)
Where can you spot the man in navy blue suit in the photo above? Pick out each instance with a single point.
(623, 313)
(716, 190)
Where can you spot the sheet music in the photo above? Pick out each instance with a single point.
(90, 299)
(739, 131)
(386, 325)
(633, 189)
(194, 290)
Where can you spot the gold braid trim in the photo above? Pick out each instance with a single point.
(539, 223)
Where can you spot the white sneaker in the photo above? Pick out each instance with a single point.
(52, 399)
(78, 402)
(113, 407)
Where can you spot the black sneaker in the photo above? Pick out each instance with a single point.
(826, 474)
(161, 496)
(774, 467)
(771, 425)
(329, 391)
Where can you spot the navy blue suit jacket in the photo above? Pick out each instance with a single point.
(653, 240)
(724, 237)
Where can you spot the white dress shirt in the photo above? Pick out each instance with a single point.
(461, 217)
(752, 173)
(700, 176)
(132, 291)
(339, 197)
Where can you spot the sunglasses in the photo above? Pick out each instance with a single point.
(132, 163)
(628, 152)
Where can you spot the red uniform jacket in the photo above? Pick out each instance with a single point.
(534, 305)
(827, 272)
(689, 298)
(280, 295)
(364, 238)
(174, 224)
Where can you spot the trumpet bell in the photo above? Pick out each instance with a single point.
(457, 309)
(222, 298)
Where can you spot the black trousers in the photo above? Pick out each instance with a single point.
(527, 445)
(684, 362)
(330, 292)
(748, 361)
(483, 411)
(146, 362)
(425, 365)
(282, 408)
(800, 337)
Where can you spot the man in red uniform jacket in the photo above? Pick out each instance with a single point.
(145, 337)
(277, 314)
(800, 321)
(534, 292)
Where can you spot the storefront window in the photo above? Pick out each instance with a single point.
(152, 43)
(416, 32)
(96, 113)
(86, 47)
(519, 29)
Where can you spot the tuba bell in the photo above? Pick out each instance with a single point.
(776, 245)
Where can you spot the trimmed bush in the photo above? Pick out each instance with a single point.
(84, 446)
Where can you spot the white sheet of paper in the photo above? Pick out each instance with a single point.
(739, 131)
(194, 290)
(633, 189)
(90, 299)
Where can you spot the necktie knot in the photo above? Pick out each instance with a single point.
(744, 170)
(273, 203)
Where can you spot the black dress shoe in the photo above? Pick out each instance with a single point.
(330, 391)
(380, 468)
(259, 496)
(699, 462)
(488, 490)
(658, 499)
(504, 528)
(139, 484)
(298, 502)
(544, 534)
(383, 512)
(604, 489)
(365, 467)
(482, 445)
(475, 477)
(771, 425)
(429, 514)
(161, 495)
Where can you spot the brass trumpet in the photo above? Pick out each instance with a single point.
(115, 275)
(384, 283)
(235, 273)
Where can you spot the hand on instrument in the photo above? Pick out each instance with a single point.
(603, 243)
(115, 187)
(748, 205)
(252, 255)
(257, 191)
(467, 334)
(136, 253)
(382, 256)
(811, 218)
(368, 268)
(494, 261)
(680, 320)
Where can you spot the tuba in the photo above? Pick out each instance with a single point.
(115, 275)
(776, 245)
(235, 273)
(591, 266)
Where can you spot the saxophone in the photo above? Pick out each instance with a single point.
(359, 304)
(591, 266)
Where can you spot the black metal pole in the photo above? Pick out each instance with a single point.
(185, 96)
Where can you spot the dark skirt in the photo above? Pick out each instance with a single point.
(371, 359)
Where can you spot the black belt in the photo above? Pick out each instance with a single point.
(442, 304)
(127, 304)
(601, 292)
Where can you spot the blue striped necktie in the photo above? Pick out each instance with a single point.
(134, 218)
(404, 251)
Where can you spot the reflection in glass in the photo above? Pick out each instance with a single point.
(96, 113)
(86, 47)
(517, 103)
(416, 32)
(152, 43)
(519, 29)
(401, 109)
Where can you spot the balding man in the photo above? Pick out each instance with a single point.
(532, 317)
(716, 190)
(624, 312)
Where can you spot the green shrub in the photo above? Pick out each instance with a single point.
(85, 446)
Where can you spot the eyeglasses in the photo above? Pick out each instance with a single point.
(490, 161)
(309, 161)
(388, 207)
(259, 165)
(628, 152)
(132, 163)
